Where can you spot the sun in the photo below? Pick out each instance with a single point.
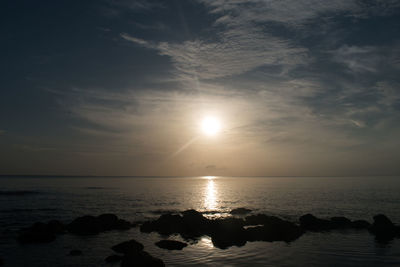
(211, 126)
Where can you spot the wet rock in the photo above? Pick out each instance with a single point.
(194, 224)
(171, 244)
(340, 223)
(273, 229)
(85, 225)
(128, 247)
(228, 232)
(360, 224)
(191, 224)
(113, 258)
(90, 225)
(56, 227)
(240, 211)
(166, 224)
(107, 221)
(383, 228)
(311, 223)
(38, 233)
(75, 252)
(141, 259)
(261, 219)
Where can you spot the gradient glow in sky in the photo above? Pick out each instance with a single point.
(300, 87)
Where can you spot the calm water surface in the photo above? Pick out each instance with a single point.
(24, 200)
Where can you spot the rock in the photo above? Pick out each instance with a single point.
(166, 224)
(228, 232)
(107, 221)
(75, 252)
(360, 224)
(171, 244)
(1, 262)
(340, 223)
(191, 224)
(91, 225)
(273, 229)
(383, 228)
(141, 259)
(240, 211)
(85, 225)
(38, 233)
(131, 246)
(113, 258)
(312, 223)
(56, 227)
(123, 225)
(261, 219)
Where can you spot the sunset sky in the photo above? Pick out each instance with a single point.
(297, 87)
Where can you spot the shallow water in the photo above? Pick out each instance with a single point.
(24, 200)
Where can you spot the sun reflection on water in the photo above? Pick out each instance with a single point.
(210, 200)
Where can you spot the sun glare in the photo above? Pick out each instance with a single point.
(211, 126)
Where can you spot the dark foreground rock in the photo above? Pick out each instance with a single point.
(75, 252)
(134, 255)
(131, 246)
(311, 223)
(271, 229)
(113, 258)
(171, 244)
(360, 224)
(191, 224)
(224, 232)
(86, 225)
(383, 228)
(240, 211)
(41, 232)
(1, 262)
(90, 225)
(227, 232)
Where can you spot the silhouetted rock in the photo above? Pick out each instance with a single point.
(90, 225)
(38, 233)
(272, 229)
(383, 228)
(56, 227)
(312, 223)
(191, 224)
(260, 219)
(240, 211)
(113, 258)
(171, 244)
(75, 252)
(166, 224)
(85, 225)
(107, 221)
(126, 247)
(228, 232)
(360, 224)
(340, 223)
(1, 262)
(141, 259)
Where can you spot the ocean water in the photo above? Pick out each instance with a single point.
(24, 200)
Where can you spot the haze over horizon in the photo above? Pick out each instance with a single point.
(191, 88)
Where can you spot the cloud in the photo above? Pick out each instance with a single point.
(135, 40)
(358, 59)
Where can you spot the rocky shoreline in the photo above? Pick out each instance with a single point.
(191, 225)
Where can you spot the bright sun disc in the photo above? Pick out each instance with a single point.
(211, 126)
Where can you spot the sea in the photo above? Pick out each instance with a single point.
(25, 200)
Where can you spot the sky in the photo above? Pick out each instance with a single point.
(108, 87)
